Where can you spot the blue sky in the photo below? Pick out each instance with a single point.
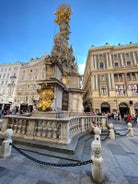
(27, 27)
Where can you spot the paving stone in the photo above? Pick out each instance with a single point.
(133, 180)
(116, 149)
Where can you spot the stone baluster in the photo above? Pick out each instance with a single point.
(7, 144)
(130, 128)
(104, 123)
(112, 132)
(97, 167)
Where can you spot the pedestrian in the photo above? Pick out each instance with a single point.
(129, 118)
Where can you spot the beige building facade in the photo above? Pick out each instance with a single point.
(26, 91)
(111, 79)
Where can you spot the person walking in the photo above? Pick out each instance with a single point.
(129, 118)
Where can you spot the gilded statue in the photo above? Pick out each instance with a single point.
(46, 97)
(63, 14)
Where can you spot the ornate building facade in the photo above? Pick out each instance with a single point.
(27, 85)
(9, 74)
(111, 79)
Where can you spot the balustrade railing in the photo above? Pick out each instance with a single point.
(50, 129)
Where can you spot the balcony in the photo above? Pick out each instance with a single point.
(13, 76)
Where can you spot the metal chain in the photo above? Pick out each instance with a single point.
(117, 133)
(51, 164)
(106, 136)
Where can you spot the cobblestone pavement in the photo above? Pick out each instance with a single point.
(120, 163)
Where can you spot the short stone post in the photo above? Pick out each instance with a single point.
(6, 144)
(112, 132)
(97, 166)
(131, 131)
(97, 132)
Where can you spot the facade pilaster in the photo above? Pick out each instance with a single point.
(107, 61)
(109, 79)
(96, 82)
(93, 83)
(134, 58)
(110, 60)
(92, 62)
(95, 63)
(121, 57)
(112, 81)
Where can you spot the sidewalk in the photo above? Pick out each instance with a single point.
(120, 165)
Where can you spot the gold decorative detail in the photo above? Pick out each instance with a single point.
(63, 14)
(46, 97)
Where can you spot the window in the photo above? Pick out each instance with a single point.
(100, 56)
(133, 88)
(120, 77)
(128, 76)
(22, 78)
(127, 55)
(44, 69)
(120, 90)
(30, 77)
(101, 65)
(128, 63)
(115, 56)
(103, 90)
(43, 75)
(35, 77)
(4, 75)
(102, 77)
(115, 77)
(133, 76)
(116, 64)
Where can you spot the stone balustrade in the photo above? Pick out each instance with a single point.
(50, 129)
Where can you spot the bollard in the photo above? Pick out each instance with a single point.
(6, 144)
(112, 132)
(97, 167)
(131, 131)
(97, 132)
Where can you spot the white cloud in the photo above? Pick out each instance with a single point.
(81, 68)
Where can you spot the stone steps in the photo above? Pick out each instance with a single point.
(72, 152)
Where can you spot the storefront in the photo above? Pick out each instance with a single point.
(123, 109)
(105, 107)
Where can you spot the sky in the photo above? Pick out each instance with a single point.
(27, 27)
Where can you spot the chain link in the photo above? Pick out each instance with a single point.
(51, 164)
(106, 136)
(117, 133)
